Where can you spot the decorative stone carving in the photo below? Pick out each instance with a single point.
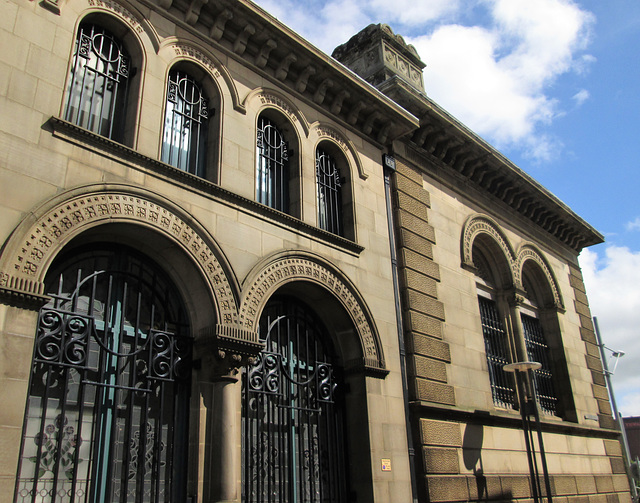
(267, 98)
(193, 12)
(481, 224)
(529, 252)
(23, 268)
(377, 55)
(328, 132)
(309, 268)
(217, 29)
(240, 44)
(120, 11)
(283, 67)
(263, 57)
(303, 79)
(183, 50)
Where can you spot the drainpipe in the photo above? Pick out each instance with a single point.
(389, 166)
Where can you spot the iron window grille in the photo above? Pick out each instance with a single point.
(293, 445)
(184, 143)
(538, 351)
(498, 354)
(98, 88)
(272, 171)
(108, 402)
(329, 193)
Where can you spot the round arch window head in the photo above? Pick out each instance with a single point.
(522, 366)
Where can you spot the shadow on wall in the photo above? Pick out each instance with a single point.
(472, 456)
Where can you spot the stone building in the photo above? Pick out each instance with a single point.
(233, 270)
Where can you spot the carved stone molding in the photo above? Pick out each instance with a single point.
(481, 224)
(325, 131)
(529, 252)
(120, 11)
(35, 243)
(329, 132)
(274, 99)
(307, 267)
(187, 50)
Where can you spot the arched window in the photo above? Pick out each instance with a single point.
(329, 183)
(108, 401)
(272, 169)
(184, 142)
(293, 444)
(99, 81)
(538, 349)
(496, 340)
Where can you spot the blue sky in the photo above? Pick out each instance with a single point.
(555, 86)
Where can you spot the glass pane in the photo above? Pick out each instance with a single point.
(185, 125)
(329, 193)
(98, 84)
(292, 413)
(108, 384)
(272, 171)
(497, 350)
(538, 351)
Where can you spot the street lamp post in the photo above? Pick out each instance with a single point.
(623, 436)
(527, 398)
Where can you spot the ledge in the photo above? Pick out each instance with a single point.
(22, 299)
(125, 155)
(506, 419)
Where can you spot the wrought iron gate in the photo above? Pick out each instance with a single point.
(292, 418)
(107, 412)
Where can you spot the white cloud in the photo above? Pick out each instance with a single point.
(495, 76)
(410, 12)
(581, 96)
(613, 288)
(633, 226)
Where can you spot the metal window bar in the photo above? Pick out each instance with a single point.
(184, 144)
(97, 95)
(538, 351)
(329, 193)
(104, 395)
(293, 446)
(272, 171)
(497, 350)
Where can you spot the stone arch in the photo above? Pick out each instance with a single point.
(27, 254)
(288, 267)
(529, 252)
(263, 97)
(326, 132)
(127, 13)
(197, 54)
(477, 225)
(139, 38)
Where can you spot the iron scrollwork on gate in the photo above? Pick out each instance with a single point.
(104, 397)
(292, 429)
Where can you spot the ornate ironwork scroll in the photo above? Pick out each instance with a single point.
(292, 421)
(108, 401)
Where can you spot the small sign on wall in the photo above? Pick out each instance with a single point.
(386, 465)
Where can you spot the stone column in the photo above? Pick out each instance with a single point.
(18, 323)
(219, 470)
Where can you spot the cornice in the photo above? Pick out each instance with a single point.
(247, 33)
(468, 158)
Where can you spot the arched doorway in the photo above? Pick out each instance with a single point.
(292, 412)
(107, 411)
